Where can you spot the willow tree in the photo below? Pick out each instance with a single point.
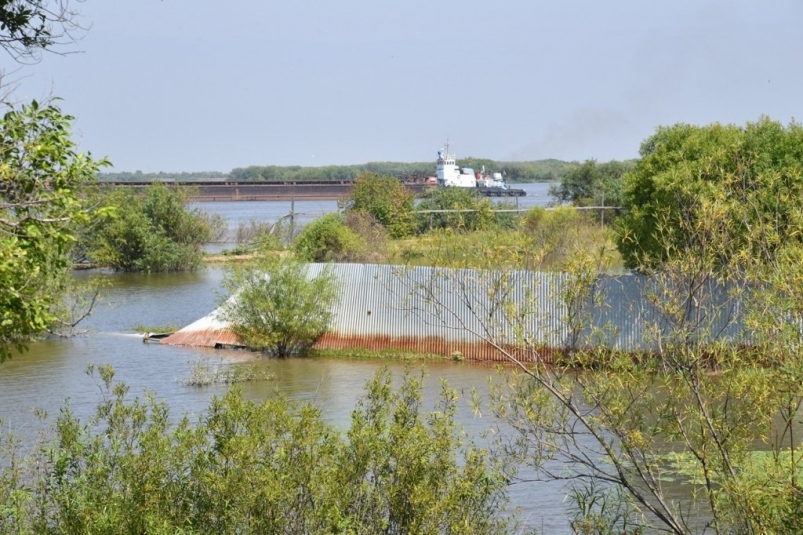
(753, 173)
(41, 176)
(277, 307)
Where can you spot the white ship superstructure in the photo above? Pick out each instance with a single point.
(450, 175)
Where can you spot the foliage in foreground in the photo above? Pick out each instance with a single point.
(154, 231)
(41, 178)
(245, 467)
(276, 308)
(716, 374)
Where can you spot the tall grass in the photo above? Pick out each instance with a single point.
(541, 239)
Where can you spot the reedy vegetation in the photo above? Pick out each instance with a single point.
(245, 467)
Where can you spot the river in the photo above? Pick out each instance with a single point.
(52, 372)
(237, 213)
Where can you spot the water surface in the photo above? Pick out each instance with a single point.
(51, 372)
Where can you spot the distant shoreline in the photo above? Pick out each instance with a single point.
(260, 191)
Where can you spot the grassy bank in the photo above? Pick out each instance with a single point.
(538, 239)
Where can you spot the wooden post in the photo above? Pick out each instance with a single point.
(292, 218)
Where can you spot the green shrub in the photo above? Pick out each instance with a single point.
(387, 200)
(328, 239)
(479, 218)
(276, 308)
(247, 467)
(153, 231)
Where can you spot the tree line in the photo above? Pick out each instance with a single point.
(550, 170)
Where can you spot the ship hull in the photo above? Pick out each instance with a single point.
(501, 192)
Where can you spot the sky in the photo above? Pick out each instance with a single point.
(202, 85)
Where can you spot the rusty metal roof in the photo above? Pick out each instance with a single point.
(440, 310)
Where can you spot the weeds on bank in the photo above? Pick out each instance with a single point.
(156, 329)
(542, 240)
(538, 239)
(240, 466)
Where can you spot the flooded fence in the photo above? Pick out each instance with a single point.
(474, 313)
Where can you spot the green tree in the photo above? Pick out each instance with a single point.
(41, 177)
(592, 184)
(387, 200)
(471, 211)
(276, 307)
(151, 231)
(328, 239)
(751, 174)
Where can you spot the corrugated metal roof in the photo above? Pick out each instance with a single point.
(440, 310)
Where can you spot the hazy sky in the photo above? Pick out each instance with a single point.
(198, 85)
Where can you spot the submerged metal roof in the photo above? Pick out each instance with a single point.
(444, 310)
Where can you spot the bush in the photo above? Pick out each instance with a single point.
(372, 233)
(481, 218)
(276, 307)
(328, 239)
(247, 467)
(153, 231)
(740, 184)
(387, 200)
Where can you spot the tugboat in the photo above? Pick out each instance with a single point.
(449, 175)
